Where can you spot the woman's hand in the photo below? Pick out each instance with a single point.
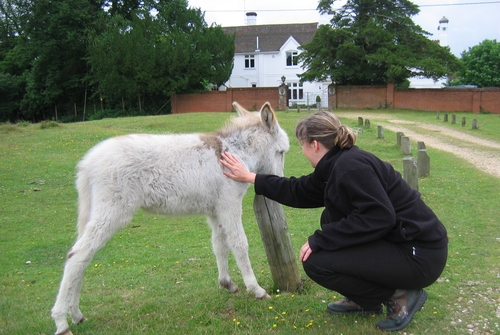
(236, 170)
(305, 251)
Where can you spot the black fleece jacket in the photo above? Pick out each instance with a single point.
(365, 199)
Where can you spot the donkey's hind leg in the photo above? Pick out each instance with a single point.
(95, 235)
(221, 251)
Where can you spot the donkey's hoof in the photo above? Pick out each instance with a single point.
(82, 320)
(265, 296)
(66, 332)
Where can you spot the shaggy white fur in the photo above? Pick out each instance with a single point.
(172, 175)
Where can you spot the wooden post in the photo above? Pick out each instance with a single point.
(410, 172)
(474, 123)
(423, 163)
(277, 243)
(453, 119)
(380, 132)
(463, 121)
(445, 117)
(398, 137)
(421, 145)
(360, 121)
(437, 115)
(367, 123)
(405, 145)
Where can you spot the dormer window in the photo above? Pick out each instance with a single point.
(249, 61)
(292, 58)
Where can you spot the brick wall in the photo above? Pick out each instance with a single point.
(221, 101)
(446, 99)
(349, 97)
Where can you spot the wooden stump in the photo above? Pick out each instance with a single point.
(277, 243)
(474, 124)
(380, 132)
(410, 172)
(398, 137)
(405, 145)
(423, 163)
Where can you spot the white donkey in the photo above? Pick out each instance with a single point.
(170, 174)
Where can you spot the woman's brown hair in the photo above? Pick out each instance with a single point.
(325, 128)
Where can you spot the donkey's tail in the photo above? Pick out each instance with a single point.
(84, 200)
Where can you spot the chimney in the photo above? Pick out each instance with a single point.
(251, 18)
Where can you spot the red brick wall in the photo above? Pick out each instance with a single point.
(221, 101)
(446, 99)
(349, 97)
(359, 97)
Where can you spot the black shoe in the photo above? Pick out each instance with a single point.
(347, 306)
(400, 310)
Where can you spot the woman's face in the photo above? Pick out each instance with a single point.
(309, 152)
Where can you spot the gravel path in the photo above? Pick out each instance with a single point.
(482, 153)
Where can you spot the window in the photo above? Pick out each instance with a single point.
(249, 61)
(292, 58)
(296, 91)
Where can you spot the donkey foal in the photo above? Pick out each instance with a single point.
(172, 175)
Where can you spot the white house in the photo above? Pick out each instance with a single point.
(267, 54)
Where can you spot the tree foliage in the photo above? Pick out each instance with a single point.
(373, 42)
(61, 56)
(481, 65)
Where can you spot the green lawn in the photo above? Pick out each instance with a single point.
(158, 275)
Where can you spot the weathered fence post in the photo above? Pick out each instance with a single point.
(453, 119)
(380, 132)
(421, 145)
(277, 243)
(463, 121)
(360, 121)
(410, 172)
(405, 145)
(474, 123)
(437, 115)
(367, 123)
(398, 137)
(423, 163)
(445, 117)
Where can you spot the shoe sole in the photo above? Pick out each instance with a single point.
(359, 312)
(417, 307)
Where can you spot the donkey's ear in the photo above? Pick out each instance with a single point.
(268, 117)
(240, 110)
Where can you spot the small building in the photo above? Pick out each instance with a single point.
(267, 56)
(423, 82)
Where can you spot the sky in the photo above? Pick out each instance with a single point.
(470, 21)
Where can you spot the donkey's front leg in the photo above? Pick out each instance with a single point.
(221, 251)
(238, 244)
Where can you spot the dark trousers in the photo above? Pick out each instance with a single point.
(369, 274)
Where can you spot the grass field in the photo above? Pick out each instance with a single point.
(158, 275)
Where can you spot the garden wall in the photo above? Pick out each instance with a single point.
(221, 101)
(349, 97)
(446, 99)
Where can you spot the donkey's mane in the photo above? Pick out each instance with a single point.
(236, 124)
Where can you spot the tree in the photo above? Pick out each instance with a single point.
(373, 42)
(481, 65)
(150, 55)
(56, 41)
